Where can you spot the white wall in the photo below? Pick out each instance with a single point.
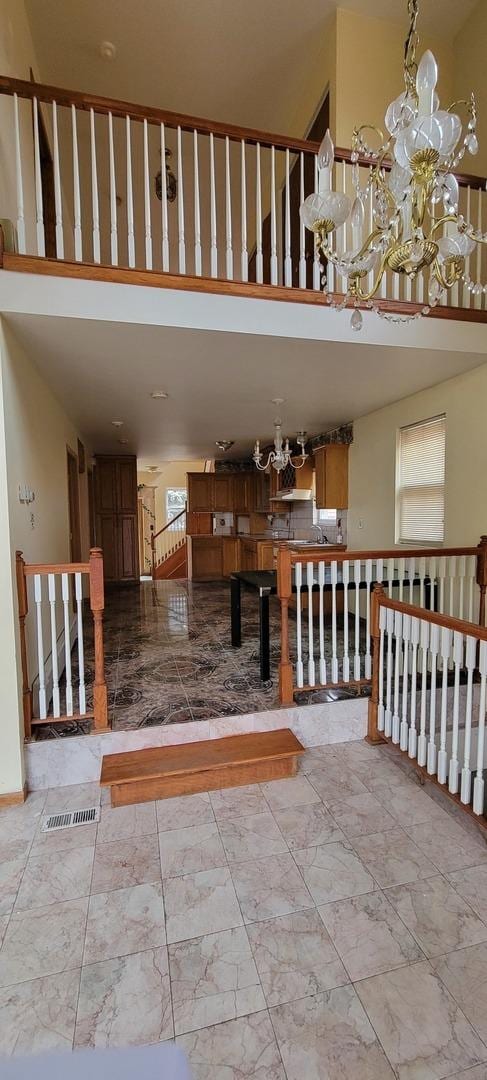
(373, 456)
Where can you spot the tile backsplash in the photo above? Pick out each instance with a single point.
(301, 520)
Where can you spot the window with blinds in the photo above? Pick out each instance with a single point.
(420, 483)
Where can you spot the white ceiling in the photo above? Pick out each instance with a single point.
(220, 385)
(241, 61)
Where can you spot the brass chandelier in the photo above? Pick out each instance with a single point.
(411, 172)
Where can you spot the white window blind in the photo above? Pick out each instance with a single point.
(420, 486)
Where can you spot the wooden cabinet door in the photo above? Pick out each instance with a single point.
(260, 492)
(243, 492)
(106, 538)
(127, 485)
(223, 492)
(128, 555)
(106, 486)
(207, 558)
(249, 555)
(231, 555)
(332, 477)
(200, 492)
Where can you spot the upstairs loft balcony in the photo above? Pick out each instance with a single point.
(104, 189)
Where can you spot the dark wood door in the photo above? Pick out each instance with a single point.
(127, 486)
(116, 515)
(128, 555)
(73, 507)
(107, 540)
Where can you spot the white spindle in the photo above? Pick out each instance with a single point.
(228, 214)
(368, 587)
(78, 236)
(466, 779)
(321, 583)
(51, 585)
(288, 266)
(454, 769)
(67, 645)
(181, 234)
(380, 708)
(406, 636)
(356, 660)
(213, 233)
(41, 244)
(413, 735)
(462, 569)
(389, 667)
(164, 214)
(434, 649)
(452, 570)
(334, 657)
(259, 262)
(478, 253)
(432, 576)
(478, 784)
(402, 574)
(390, 577)
(298, 579)
(471, 565)
(40, 647)
(274, 265)
(58, 203)
(422, 742)
(81, 650)
(441, 583)
(422, 575)
(411, 576)
(316, 259)
(442, 769)
(311, 659)
(113, 195)
(19, 181)
(379, 571)
(467, 298)
(147, 213)
(130, 196)
(197, 216)
(244, 256)
(302, 240)
(94, 192)
(397, 675)
(346, 657)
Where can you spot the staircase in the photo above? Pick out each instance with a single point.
(170, 550)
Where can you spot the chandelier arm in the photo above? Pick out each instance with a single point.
(359, 295)
(441, 221)
(445, 282)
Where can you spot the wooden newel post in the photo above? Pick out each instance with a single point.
(23, 610)
(482, 576)
(97, 604)
(284, 592)
(373, 733)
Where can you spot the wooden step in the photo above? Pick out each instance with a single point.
(161, 772)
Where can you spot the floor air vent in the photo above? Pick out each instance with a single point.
(70, 818)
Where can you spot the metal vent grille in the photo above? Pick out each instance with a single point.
(70, 818)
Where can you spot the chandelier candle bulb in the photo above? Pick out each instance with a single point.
(426, 80)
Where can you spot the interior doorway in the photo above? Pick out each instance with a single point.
(73, 506)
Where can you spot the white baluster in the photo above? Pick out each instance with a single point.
(94, 192)
(316, 259)
(78, 238)
(434, 649)
(467, 298)
(402, 574)
(41, 245)
(422, 575)
(404, 730)
(442, 770)
(181, 232)
(197, 217)
(452, 570)
(478, 253)
(40, 647)
(244, 256)
(472, 565)
(81, 649)
(334, 657)
(113, 195)
(413, 735)
(466, 780)
(368, 582)
(58, 202)
(213, 232)
(311, 659)
(382, 628)
(67, 645)
(321, 583)
(288, 266)
(19, 181)
(356, 660)
(422, 743)
(302, 241)
(228, 213)
(346, 658)
(274, 265)
(298, 579)
(147, 213)
(397, 675)
(51, 585)
(389, 669)
(462, 568)
(390, 577)
(411, 576)
(259, 262)
(130, 196)
(164, 213)
(454, 770)
(478, 784)
(441, 584)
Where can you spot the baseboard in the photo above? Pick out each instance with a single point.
(13, 798)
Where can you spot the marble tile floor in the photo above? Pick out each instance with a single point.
(168, 658)
(282, 931)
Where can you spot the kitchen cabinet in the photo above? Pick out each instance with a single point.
(200, 492)
(248, 556)
(243, 492)
(116, 515)
(256, 554)
(222, 492)
(261, 491)
(231, 555)
(332, 477)
(206, 558)
(198, 523)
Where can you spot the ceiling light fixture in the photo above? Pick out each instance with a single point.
(117, 423)
(281, 455)
(159, 394)
(412, 171)
(224, 444)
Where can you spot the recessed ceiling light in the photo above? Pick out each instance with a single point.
(159, 394)
(108, 50)
(117, 423)
(277, 401)
(123, 442)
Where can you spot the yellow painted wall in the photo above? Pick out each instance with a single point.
(470, 57)
(373, 456)
(172, 474)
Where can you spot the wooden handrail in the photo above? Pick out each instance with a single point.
(448, 621)
(153, 115)
(168, 523)
(388, 553)
(56, 568)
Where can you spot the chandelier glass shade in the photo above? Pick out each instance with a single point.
(281, 455)
(410, 173)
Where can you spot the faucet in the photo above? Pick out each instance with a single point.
(322, 539)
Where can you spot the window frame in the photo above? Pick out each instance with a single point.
(397, 487)
(169, 519)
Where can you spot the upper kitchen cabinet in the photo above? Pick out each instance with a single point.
(331, 464)
(243, 492)
(223, 492)
(200, 492)
(260, 491)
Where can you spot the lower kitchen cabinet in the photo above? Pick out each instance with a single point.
(231, 555)
(206, 558)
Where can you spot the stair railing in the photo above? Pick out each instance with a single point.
(169, 539)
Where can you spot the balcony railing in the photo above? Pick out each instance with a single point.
(84, 172)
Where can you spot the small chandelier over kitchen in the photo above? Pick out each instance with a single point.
(281, 455)
(410, 173)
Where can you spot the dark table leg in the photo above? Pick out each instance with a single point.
(235, 610)
(265, 667)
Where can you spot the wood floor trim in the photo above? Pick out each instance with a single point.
(13, 798)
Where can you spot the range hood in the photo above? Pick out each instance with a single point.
(294, 495)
